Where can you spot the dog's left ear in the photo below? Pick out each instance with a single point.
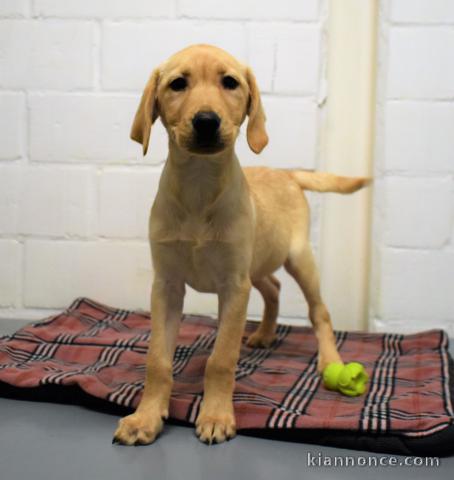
(257, 137)
(147, 112)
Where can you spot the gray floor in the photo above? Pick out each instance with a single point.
(49, 441)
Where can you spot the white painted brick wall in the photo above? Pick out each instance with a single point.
(75, 191)
(57, 201)
(14, 8)
(12, 118)
(104, 8)
(124, 211)
(82, 128)
(420, 62)
(408, 273)
(413, 234)
(117, 273)
(422, 11)
(127, 67)
(10, 254)
(275, 70)
(10, 182)
(419, 136)
(51, 201)
(247, 9)
(46, 54)
(418, 211)
(292, 146)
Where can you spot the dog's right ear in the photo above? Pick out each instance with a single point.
(147, 112)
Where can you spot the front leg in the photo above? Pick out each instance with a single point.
(216, 420)
(143, 426)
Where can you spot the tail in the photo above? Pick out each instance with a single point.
(328, 182)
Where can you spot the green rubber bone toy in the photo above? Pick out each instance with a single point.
(349, 379)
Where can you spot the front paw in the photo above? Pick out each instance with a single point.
(259, 339)
(325, 359)
(215, 427)
(138, 429)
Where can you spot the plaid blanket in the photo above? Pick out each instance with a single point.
(102, 350)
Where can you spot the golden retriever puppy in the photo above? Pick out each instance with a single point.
(219, 228)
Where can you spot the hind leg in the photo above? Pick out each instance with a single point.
(265, 334)
(301, 265)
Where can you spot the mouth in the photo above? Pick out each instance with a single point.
(206, 145)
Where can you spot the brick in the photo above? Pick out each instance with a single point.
(246, 9)
(418, 136)
(105, 8)
(10, 258)
(9, 195)
(416, 285)
(279, 53)
(12, 125)
(117, 273)
(125, 199)
(420, 63)
(58, 201)
(262, 54)
(121, 40)
(422, 11)
(374, 300)
(298, 50)
(292, 143)
(452, 232)
(87, 128)
(14, 8)
(45, 54)
(418, 212)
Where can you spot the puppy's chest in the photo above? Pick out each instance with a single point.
(194, 229)
(203, 264)
(202, 253)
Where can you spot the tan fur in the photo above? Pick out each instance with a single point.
(220, 228)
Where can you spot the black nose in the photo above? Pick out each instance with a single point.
(206, 124)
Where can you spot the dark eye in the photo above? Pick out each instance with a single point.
(178, 84)
(229, 82)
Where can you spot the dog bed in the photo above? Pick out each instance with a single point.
(94, 355)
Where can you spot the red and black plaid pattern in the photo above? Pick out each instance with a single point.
(102, 350)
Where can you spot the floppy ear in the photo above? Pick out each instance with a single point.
(147, 112)
(257, 137)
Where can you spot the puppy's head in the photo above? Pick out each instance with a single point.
(202, 95)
